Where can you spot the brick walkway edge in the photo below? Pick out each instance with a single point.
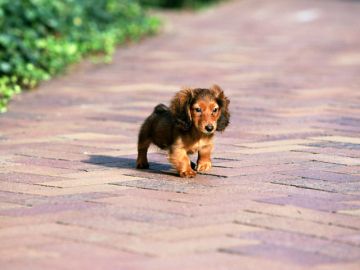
(284, 192)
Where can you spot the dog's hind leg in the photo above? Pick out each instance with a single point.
(144, 142)
(142, 162)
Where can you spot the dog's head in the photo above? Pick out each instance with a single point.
(205, 109)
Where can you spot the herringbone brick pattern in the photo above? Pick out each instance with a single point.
(284, 192)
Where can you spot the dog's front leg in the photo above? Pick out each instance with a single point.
(181, 161)
(204, 158)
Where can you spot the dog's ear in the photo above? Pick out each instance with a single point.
(180, 108)
(223, 103)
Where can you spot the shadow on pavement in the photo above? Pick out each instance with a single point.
(128, 163)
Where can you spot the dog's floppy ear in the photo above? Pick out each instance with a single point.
(180, 108)
(223, 103)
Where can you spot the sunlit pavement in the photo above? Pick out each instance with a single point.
(284, 192)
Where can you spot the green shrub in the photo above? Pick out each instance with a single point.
(40, 38)
(176, 3)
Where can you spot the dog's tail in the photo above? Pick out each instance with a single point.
(161, 108)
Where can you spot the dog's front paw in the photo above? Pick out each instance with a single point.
(203, 166)
(188, 173)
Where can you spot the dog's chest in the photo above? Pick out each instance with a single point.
(191, 149)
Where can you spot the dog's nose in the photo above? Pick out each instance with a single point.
(209, 128)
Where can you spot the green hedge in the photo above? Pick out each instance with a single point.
(40, 38)
(177, 3)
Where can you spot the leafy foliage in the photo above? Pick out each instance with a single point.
(176, 3)
(40, 38)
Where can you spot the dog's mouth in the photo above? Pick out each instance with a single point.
(208, 132)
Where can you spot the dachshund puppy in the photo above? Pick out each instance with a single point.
(186, 127)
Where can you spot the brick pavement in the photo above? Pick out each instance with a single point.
(285, 189)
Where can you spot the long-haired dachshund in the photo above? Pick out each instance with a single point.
(186, 127)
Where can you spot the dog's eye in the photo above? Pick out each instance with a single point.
(197, 110)
(215, 110)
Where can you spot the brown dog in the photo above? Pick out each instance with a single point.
(186, 127)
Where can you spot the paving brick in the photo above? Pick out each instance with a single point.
(47, 208)
(14, 254)
(323, 175)
(337, 159)
(93, 180)
(352, 170)
(329, 202)
(259, 159)
(4, 205)
(293, 255)
(336, 187)
(26, 241)
(305, 214)
(81, 255)
(174, 186)
(277, 143)
(271, 149)
(35, 169)
(202, 232)
(291, 225)
(111, 224)
(33, 229)
(52, 191)
(213, 261)
(144, 246)
(352, 212)
(349, 266)
(337, 145)
(90, 136)
(305, 243)
(28, 178)
(5, 161)
(342, 139)
(53, 163)
(344, 152)
(48, 154)
(138, 245)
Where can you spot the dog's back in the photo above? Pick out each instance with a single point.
(158, 127)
